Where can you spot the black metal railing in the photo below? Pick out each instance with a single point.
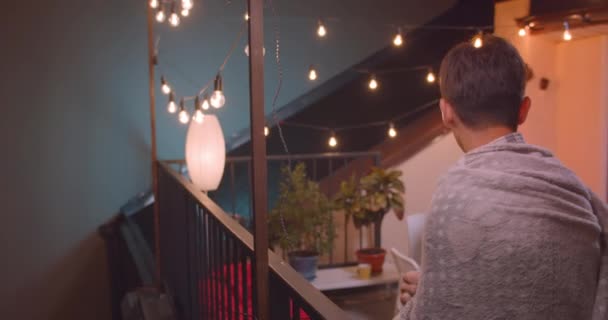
(206, 261)
(328, 169)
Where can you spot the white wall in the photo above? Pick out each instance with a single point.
(420, 175)
(571, 117)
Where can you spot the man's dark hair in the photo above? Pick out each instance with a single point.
(484, 85)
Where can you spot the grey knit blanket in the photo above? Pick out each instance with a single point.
(513, 234)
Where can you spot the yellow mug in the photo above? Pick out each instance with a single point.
(364, 271)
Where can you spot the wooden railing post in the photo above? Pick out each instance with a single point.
(258, 155)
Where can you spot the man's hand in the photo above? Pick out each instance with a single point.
(409, 286)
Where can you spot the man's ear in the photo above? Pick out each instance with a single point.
(447, 113)
(524, 108)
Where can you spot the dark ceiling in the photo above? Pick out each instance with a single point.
(346, 100)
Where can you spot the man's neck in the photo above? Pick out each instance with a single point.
(472, 139)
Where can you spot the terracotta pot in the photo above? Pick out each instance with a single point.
(372, 256)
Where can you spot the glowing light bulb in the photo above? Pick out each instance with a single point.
(321, 31)
(171, 107)
(266, 131)
(187, 4)
(185, 12)
(246, 16)
(199, 116)
(160, 15)
(373, 84)
(164, 86)
(153, 4)
(205, 104)
(567, 35)
(398, 39)
(522, 32)
(312, 73)
(478, 41)
(391, 131)
(430, 77)
(183, 117)
(333, 142)
(173, 18)
(183, 114)
(217, 99)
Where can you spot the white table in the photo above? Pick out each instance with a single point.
(346, 278)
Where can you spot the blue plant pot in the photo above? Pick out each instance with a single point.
(305, 263)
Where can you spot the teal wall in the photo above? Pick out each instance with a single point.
(74, 128)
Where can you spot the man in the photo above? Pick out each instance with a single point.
(512, 233)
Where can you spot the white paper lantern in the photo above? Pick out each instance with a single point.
(206, 153)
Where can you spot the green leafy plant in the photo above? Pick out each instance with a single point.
(304, 211)
(372, 197)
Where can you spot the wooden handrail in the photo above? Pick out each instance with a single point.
(307, 292)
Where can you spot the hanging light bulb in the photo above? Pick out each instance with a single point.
(205, 104)
(217, 98)
(246, 16)
(567, 35)
(183, 114)
(153, 4)
(430, 77)
(321, 31)
(373, 83)
(398, 39)
(312, 73)
(164, 86)
(391, 131)
(185, 12)
(523, 31)
(160, 15)
(266, 131)
(187, 4)
(171, 107)
(333, 142)
(173, 18)
(478, 40)
(198, 116)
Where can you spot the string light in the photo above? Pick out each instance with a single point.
(266, 131)
(160, 15)
(153, 4)
(187, 4)
(246, 16)
(321, 31)
(185, 12)
(164, 86)
(523, 31)
(567, 35)
(312, 73)
(478, 40)
(430, 77)
(332, 142)
(198, 116)
(247, 51)
(171, 107)
(391, 130)
(183, 114)
(217, 98)
(398, 39)
(373, 83)
(173, 18)
(205, 104)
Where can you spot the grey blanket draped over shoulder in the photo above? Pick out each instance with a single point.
(513, 234)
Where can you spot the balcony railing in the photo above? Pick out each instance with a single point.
(206, 258)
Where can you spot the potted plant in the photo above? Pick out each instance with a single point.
(367, 202)
(301, 221)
